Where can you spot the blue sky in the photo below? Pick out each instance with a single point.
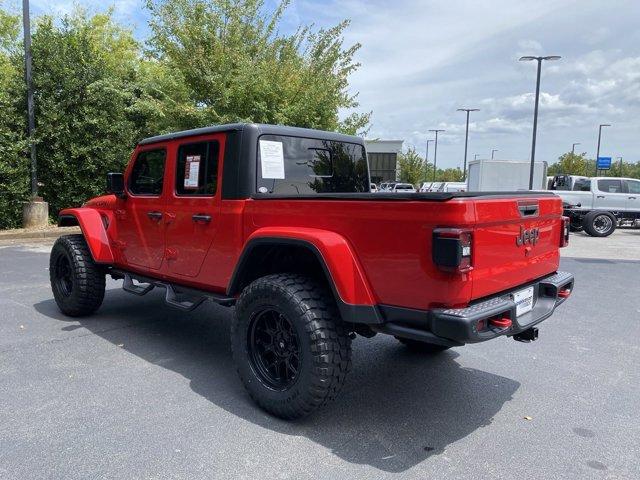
(423, 59)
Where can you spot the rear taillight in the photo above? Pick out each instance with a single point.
(452, 249)
(566, 228)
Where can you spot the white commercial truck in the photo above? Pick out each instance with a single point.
(505, 175)
(597, 204)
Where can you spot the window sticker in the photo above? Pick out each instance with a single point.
(192, 172)
(271, 159)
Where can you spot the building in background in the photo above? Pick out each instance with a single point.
(383, 159)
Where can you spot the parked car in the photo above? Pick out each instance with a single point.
(386, 186)
(374, 188)
(404, 188)
(228, 214)
(597, 204)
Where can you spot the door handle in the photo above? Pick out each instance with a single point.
(201, 217)
(632, 198)
(601, 196)
(154, 215)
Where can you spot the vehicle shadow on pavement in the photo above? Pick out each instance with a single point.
(397, 408)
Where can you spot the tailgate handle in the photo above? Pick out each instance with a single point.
(528, 210)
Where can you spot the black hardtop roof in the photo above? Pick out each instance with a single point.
(257, 129)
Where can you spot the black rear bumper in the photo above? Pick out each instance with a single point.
(481, 321)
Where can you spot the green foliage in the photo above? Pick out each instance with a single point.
(449, 175)
(14, 172)
(412, 167)
(578, 164)
(98, 91)
(226, 62)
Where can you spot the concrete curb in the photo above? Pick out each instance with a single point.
(38, 234)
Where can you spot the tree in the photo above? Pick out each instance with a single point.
(226, 61)
(412, 167)
(578, 164)
(449, 175)
(14, 166)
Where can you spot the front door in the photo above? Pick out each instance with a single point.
(633, 195)
(140, 216)
(611, 195)
(194, 204)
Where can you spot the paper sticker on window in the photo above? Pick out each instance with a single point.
(271, 159)
(192, 172)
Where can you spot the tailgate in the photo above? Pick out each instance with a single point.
(515, 240)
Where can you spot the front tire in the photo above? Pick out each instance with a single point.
(289, 345)
(78, 284)
(599, 224)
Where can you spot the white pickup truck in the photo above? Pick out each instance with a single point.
(596, 204)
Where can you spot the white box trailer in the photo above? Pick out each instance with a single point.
(505, 175)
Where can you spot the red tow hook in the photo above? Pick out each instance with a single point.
(564, 293)
(503, 322)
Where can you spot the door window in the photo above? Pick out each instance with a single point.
(634, 186)
(197, 168)
(610, 186)
(147, 174)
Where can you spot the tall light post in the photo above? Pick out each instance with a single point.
(426, 161)
(466, 139)
(435, 152)
(535, 111)
(573, 148)
(475, 156)
(620, 168)
(598, 149)
(493, 152)
(26, 24)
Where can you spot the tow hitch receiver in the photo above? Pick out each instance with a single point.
(527, 336)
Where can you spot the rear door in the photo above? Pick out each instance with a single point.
(633, 195)
(514, 241)
(194, 204)
(610, 195)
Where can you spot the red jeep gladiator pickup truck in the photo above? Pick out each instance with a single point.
(280, 222)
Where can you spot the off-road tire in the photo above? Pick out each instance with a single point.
(590, 224)
(82, 291)
(422, 347)
(323, 343)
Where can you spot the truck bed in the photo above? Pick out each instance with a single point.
(413, 196)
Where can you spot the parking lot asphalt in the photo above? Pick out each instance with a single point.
(143, 391)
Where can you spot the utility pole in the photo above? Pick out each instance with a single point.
(573, 148)
(466, 139)
(493, 152)
(435, 152)
(620, 168)
(535, 111)
(426, 161)
(26, 23)
(598, 149)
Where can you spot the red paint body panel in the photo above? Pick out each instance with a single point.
(90, 221)
(377, 251)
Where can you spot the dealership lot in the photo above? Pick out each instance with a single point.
(143, 391)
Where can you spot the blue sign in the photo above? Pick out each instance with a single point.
(604, 163)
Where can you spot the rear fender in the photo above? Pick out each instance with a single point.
(93, 229)
(341, 267)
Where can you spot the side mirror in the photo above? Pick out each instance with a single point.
(115, 184)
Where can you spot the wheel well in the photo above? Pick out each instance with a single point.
(67, 221)
(268, 258)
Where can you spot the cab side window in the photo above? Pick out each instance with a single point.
(147, 174)
(633, 186)
(610, 186)
(197, 168)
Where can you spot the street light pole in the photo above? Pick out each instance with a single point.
(426, 161)
(492, 152)
(598, 149)
(620, 168)
(535, 111)
(573, 148)
(435, 152)
(466, 139)
(26, 23)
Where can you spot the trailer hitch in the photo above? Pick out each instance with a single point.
(529, 335)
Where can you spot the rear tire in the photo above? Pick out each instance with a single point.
(422, 347)
(76, 281)
(289, 344)
(599, 224)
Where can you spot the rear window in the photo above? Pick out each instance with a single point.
(582, 185)
(299, 166)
